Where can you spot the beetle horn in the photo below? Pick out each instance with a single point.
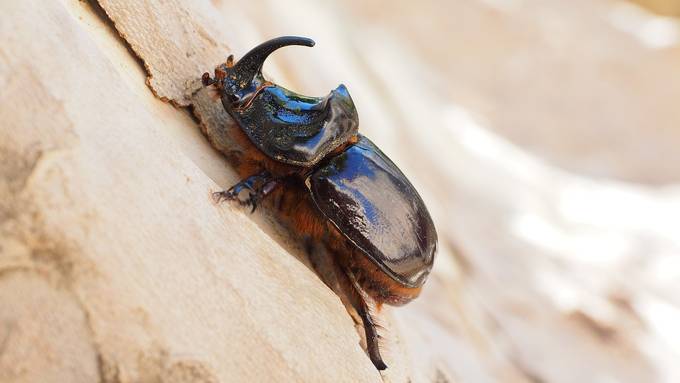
(250, 65)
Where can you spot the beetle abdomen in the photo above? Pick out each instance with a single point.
(374, 205)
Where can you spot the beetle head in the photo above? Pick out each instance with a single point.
(237, 82)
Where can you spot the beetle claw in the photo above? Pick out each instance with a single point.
(220, 196)
(253, 202)
(258, 187)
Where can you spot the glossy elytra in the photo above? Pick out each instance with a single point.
(331, 185)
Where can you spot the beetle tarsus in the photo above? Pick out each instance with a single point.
(258, 186)
(358, 301)
(371, 337)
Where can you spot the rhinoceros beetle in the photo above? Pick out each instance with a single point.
(334, 186)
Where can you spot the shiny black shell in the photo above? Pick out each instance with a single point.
(285, 126)
(375, 207)
(296, 129)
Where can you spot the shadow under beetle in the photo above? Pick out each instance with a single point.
(333, 185)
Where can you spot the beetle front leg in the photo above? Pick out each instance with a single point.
(258, 186)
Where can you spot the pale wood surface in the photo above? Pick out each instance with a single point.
(116, 266)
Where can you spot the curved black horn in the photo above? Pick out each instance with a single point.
(251, 63)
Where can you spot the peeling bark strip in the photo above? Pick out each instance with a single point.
(173, 43)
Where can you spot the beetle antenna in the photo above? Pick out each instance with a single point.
(206, 80)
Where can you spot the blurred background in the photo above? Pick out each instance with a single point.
(543, 135)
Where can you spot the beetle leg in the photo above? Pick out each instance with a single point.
(358, 302)
(371, 333)
(344, 284)
(263, 191)
(258, 186)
